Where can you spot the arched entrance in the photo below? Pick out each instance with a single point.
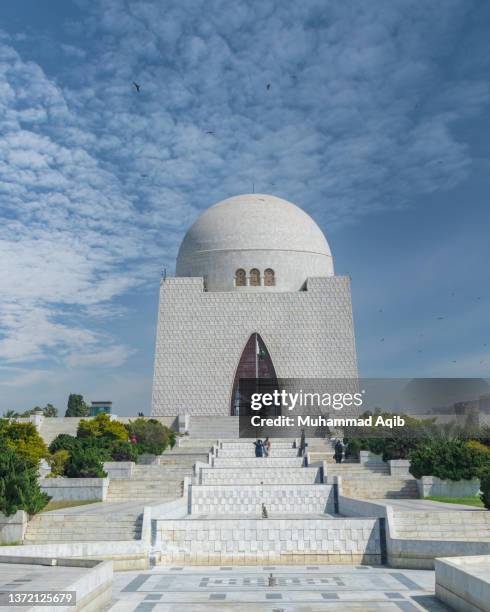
(255, 362)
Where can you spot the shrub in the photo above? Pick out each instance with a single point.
(353, 448)
(63, 442)
(87, 462)
(152, 437)
(19, 487)
(124, 451)
(446, 459)
(485, 486)
(102, 426)
(57, 462)
(25, 440)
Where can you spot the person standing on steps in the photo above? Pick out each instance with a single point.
(339, 449)
(259, 448)
(302, 444)
(267, 447)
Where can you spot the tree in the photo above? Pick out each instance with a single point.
(76, 406)
(19, 487)
(10, 414)
(50, 411)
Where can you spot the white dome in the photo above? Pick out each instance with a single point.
(254, 231)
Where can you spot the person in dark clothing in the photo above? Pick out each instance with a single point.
(302, 444)
(259, 448)
(339, 450)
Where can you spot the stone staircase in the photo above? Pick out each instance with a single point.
(370, 480)
(468, 525)
(56, 527)
(149, 483)
(380, 487)
(246, 511)
(213, 427)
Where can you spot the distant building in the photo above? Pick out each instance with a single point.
(99, 407)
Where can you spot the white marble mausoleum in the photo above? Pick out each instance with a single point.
(254, 294)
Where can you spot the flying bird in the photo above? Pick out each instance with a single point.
(440, 318)
(382, 340)
(268, 86)
(210, 132)
(137, 86)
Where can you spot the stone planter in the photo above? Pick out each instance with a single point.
(399, 468)
(12, 528)
(431, 485)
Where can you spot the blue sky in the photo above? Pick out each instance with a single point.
(376, 122)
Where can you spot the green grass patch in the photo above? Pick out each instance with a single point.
(467, 501)
(58, 505)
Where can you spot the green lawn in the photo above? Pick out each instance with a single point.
(468, 501)
(58, 505)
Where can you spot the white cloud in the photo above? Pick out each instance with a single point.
(98, 182)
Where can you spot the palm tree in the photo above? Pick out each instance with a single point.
(10, 414)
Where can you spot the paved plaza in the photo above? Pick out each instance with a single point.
(298, 588)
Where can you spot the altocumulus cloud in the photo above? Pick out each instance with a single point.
(98, 182)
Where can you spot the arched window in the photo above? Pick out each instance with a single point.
(269, 278)
(254, 277)
(240, 278)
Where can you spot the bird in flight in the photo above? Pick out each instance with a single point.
(137, 86)
(268, 86)
(440, 318)
(210, 132)
(382, 340)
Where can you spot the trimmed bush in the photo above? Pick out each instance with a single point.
(19, 487)
(446, 459)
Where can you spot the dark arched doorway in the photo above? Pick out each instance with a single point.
(255, 363)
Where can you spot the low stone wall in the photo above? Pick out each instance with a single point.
(287, 475)
(277, 541)
(93, 584)
(75, 489)
(463, 583)
(431, 485)
(128, 555)
(119, 470)
(278, 499)
(13, 528)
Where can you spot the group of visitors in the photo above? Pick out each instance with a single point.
(262, 449)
